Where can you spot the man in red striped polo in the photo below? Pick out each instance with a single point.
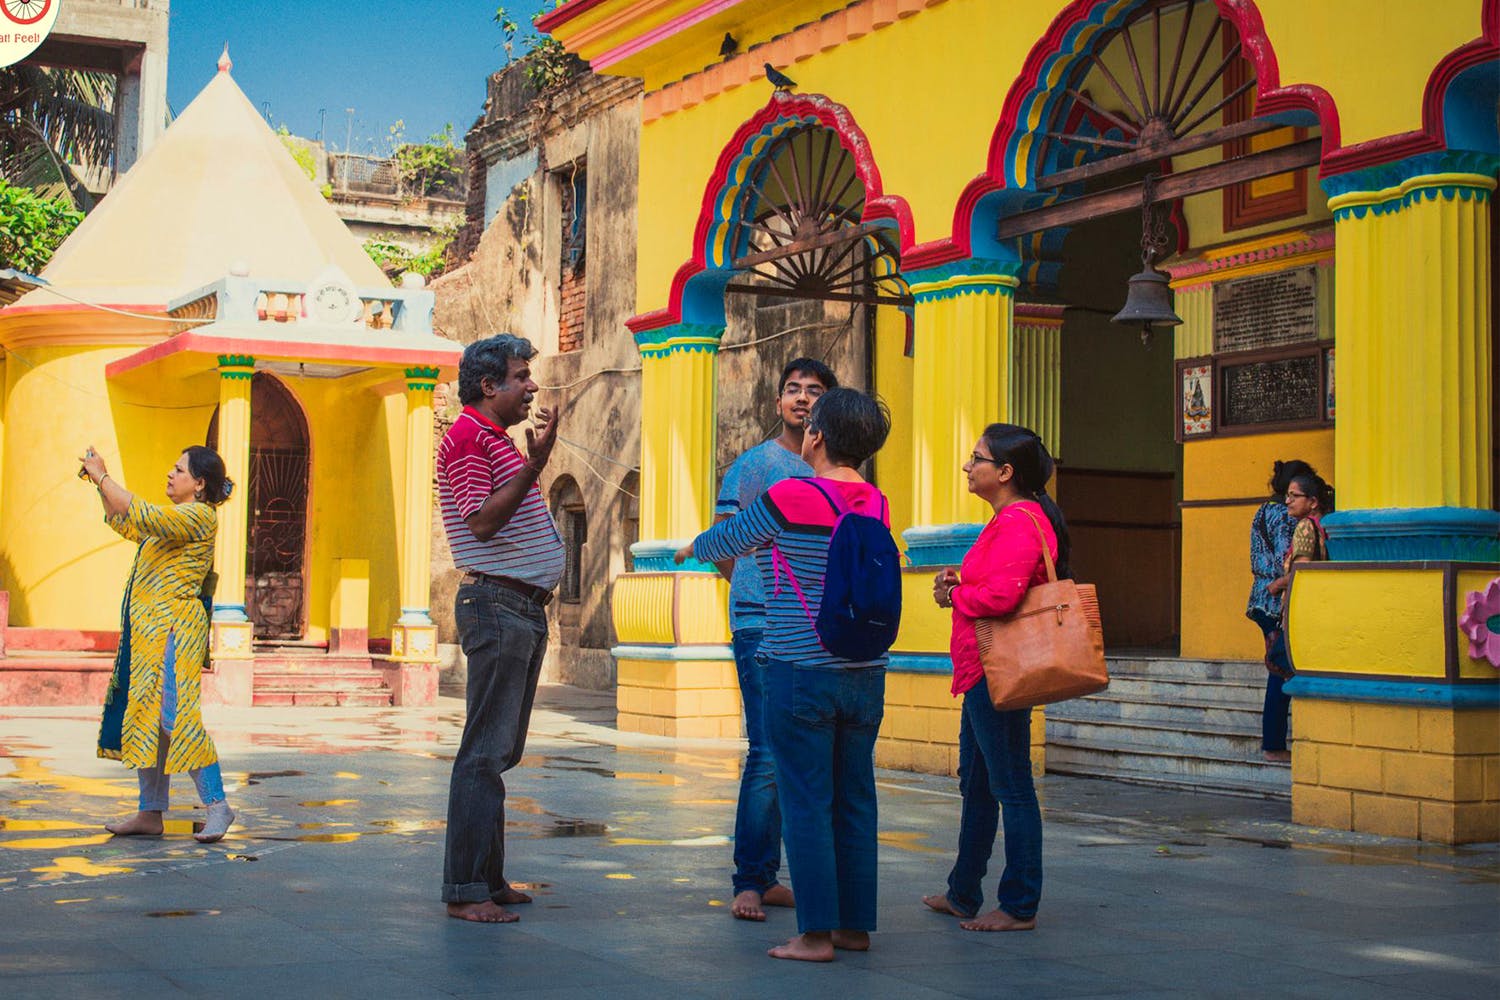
(507, 544)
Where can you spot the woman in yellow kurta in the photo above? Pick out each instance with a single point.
(153, 718)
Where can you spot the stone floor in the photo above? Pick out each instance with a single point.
(328, 885)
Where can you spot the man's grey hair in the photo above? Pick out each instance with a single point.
(489, 358)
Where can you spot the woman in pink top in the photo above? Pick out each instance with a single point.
(1009, 468)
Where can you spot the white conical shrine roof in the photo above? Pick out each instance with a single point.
(219, 189)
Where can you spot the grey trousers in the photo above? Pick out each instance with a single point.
(504, 637)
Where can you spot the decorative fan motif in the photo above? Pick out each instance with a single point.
(799, 233)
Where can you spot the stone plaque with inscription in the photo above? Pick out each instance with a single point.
(1279, 309)
(1272, 392)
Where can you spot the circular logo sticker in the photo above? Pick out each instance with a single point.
(23, 25)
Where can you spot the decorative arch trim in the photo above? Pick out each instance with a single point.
(721, 195)
(1069, 34)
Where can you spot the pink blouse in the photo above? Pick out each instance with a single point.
(1004, 562)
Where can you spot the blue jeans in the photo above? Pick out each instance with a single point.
(155, 783)
(994, 774)
(821, 723)
(504, 637)
(757, 822)
(1273, 715)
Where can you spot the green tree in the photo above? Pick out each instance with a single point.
(54, 124)
(423, 168)
(32, 227)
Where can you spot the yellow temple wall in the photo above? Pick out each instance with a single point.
(948, 68)
(64, 568)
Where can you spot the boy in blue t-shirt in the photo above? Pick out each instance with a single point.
(757, 823)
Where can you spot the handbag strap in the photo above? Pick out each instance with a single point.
(1046, 552)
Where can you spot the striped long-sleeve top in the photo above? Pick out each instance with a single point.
(796, 519)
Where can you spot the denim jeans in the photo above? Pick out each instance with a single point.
(504, 637)
(994, 774)
(757, 821)
(821, 723)
(1273, 723)
(155, 783)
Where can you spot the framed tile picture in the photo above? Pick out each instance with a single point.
(1195, 398)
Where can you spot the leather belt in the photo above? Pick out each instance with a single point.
(537, 594)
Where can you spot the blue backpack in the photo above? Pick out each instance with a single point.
(861, 608)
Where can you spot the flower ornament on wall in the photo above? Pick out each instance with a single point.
(1481, 622)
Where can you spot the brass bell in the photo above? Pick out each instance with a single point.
(1149, 301)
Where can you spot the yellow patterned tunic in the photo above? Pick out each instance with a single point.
(176, 552)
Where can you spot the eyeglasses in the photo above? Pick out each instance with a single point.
(1294, 496)
(795, 389)
(976, 457)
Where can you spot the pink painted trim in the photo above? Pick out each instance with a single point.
(61, 639)
(68, 307)
(664, 31)
(878, 205)
(1038, 310)
(201, 344)
(562, 15)
(1320, 241)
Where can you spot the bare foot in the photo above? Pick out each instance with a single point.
(510, 897)
(851, 940)
(778, 895)
(998, 920)
(746, 906)
(814, 946)
(1279, 756)
(485, 912)
(142, 824)
(941, 904)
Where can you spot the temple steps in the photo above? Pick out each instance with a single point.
(307, 679)
(1170, 722)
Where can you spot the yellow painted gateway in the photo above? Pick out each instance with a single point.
(1315, 183)
(215, 297)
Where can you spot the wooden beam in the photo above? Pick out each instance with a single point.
(1150, 154)
(1169, 187)
(774, 292)
(845, 235)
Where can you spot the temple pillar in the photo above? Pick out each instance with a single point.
(232, 629)
(1036, 381)
(414, 636)
(675, 670)
(964, 376)
(1397, 716)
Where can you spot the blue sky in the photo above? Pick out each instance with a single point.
(422, 61)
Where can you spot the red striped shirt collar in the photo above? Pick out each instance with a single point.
(485, 421)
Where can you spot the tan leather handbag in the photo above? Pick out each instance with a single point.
(1051, 648)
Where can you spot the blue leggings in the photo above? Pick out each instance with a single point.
(155, 781)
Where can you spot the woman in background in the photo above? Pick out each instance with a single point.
(1009, 469)
(153, 718)
(1270, 537)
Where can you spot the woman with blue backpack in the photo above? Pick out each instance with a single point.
(1009, 468)
(833, 578)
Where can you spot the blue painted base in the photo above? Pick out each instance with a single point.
(414, 616)
(920, 663)
(656, 557)
(1435, 694)
(644, 652)
(941, 544)
(230, 613)
(1394, 534)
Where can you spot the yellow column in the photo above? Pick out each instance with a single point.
(1036, 383)
(231, 626)
(1397, 720)
(963, 378)
(679, 422)
(1413, 283)
(961, 382)
(676, 674)
(414, 637)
